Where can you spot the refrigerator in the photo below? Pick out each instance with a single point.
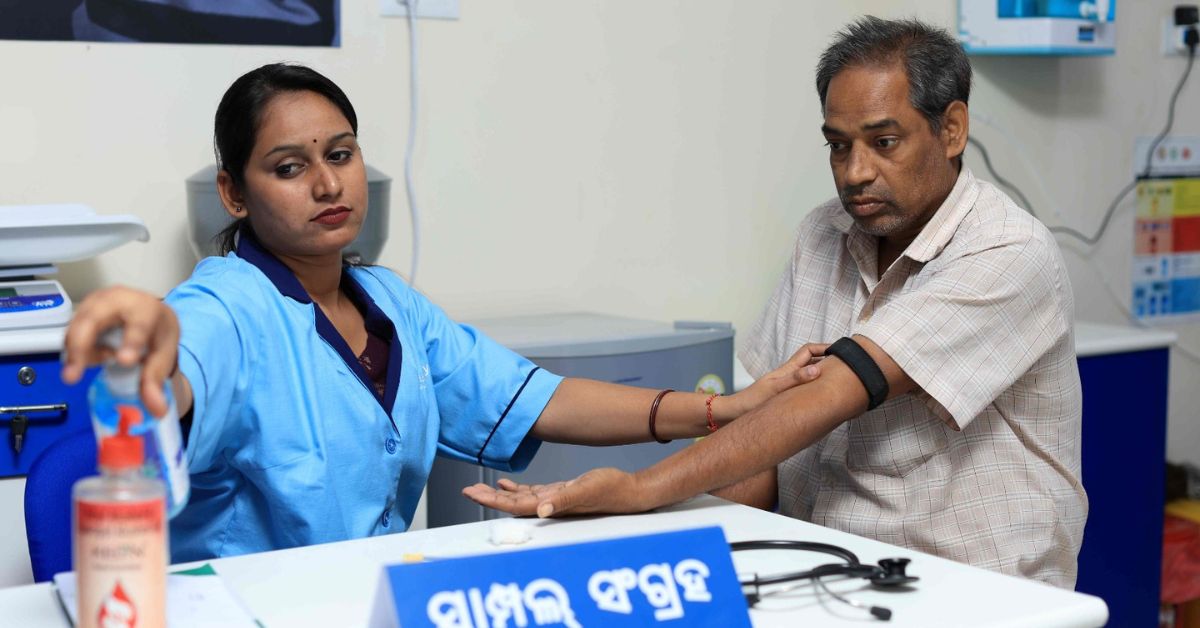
(683, 355)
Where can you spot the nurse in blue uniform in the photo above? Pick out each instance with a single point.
(316, 393)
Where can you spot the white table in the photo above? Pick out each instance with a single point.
(333, 584)
(1102, 339)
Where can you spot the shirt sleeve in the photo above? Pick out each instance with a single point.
(978, 324)
(760, 353)
(213, 359)
(488, 396)
(773, 338)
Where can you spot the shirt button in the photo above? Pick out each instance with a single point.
(387, 519)
(390, 445)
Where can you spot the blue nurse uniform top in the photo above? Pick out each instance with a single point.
(290, 446)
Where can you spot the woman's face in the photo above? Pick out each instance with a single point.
(305, 189)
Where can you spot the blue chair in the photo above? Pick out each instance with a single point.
(48, 501)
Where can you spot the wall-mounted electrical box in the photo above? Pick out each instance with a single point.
(1038, 27)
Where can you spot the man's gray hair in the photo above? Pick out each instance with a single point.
(937, 67)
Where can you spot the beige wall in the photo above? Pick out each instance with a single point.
(647, 158)
(640, 158)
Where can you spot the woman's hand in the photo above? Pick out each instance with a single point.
(605, 490)
(801, 368)
(150, 337)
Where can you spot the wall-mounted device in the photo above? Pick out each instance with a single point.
(1038, 27)
(207, 217)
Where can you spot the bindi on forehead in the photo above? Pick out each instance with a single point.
(314, 140)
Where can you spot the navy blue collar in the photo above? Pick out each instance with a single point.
(249, 249)
(377, 323)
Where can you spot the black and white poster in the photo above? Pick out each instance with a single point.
(246, 22)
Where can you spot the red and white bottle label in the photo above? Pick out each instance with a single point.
(117, 610)
(121, 564)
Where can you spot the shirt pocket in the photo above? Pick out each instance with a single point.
(278, 436)
(297, 505)
(894, 439)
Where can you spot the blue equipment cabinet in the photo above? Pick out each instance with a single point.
(1124, 373)
(31, 391)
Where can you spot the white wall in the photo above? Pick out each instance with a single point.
(648, 159)
(1079, 118)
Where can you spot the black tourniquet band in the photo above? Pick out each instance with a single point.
(864, 367)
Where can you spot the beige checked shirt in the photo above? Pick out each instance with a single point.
(981, 464)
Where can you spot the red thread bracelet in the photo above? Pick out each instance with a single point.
(712, 425)
(654, 413)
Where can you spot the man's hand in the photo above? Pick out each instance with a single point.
(801, 368)
(605, 490)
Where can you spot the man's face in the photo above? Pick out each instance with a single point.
(892, 172)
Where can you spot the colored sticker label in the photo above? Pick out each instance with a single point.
(121, 562)
(1166, 251)
(711, 384)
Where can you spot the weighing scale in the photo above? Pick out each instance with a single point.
(34, 313)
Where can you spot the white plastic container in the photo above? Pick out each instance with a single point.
(117, 387)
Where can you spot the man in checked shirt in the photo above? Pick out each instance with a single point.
(957, 294)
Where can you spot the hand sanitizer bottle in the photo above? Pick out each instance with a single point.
(120, 537)
(118, 387)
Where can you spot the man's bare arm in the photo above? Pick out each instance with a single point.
(758, 441)
(760, 491)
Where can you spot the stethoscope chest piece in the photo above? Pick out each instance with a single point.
(892, 574)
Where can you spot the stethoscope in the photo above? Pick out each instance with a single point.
(888, 574)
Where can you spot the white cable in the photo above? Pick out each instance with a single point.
(1015, 143)
(1010, 138)
(409, 184)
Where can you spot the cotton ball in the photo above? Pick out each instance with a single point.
(510, 532)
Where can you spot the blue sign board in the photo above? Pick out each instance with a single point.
(683, 578)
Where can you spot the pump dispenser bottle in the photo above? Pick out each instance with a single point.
(120, 537)
(117, 388)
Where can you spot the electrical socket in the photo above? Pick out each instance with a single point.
(439, 9)
(1172, 38)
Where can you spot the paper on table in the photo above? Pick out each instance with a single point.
(197, 598)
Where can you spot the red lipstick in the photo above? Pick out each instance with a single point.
(333, 216)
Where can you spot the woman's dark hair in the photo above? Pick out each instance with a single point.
(937, 67)
(240, 114)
